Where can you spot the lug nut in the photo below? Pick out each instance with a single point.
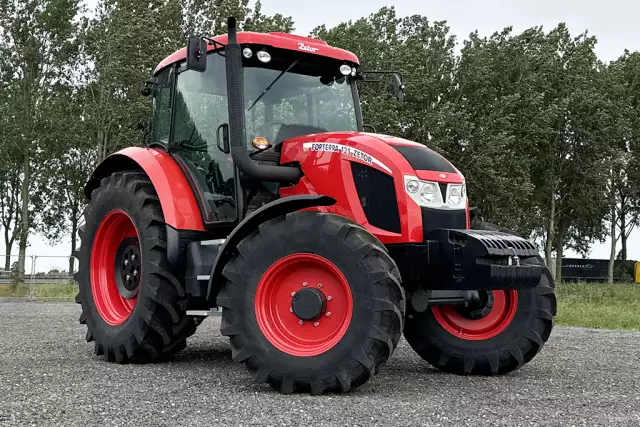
(319, 285)
(126, 262)
(301, 322)
(128, 276)
(329, 298)
(316, 324)
(135, 272)
(328, 313)
(133, 257)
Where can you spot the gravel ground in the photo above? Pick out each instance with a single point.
(49, 376)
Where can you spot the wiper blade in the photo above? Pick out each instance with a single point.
(268, 88)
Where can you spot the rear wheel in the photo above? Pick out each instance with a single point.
(133, 306)
(312, 303)
(504, 334)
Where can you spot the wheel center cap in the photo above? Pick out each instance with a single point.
(128, 267)
(309, 304)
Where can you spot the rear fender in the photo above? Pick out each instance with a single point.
(271, 210)
(179, 205)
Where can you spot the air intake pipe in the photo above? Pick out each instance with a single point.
(235, 96)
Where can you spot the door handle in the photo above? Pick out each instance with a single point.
(225, 138)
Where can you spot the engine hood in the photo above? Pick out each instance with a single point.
(388, 153)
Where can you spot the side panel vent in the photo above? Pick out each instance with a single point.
(377, 195)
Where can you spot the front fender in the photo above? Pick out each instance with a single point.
(179, 205)
(271, 210)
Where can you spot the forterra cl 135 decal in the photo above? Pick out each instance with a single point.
(345, 150)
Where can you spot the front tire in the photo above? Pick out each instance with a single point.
(498, 340)
(132, 304)
(312, 303)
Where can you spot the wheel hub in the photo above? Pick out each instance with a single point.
(309, 304)
(128, 267)
(486, 298)
(303, 304)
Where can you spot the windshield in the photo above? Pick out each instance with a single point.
(307, 98)
(297, 104)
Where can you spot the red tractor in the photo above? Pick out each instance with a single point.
(258, 192)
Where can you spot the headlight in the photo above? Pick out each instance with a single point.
(428, 194)
(455, 194)
(413, 186)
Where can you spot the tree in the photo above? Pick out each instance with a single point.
(209, 18)
(624, 88)
(10, 182)
(39, 37)
(70, 161)
(10, 204)
(571, 159)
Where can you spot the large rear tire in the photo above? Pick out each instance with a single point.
(132, 304)
(501, 338)
(355, 312)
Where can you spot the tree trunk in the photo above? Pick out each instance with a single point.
(548, 248)
(24, 217)
(623, 237)
(612, 254)
(7, 258)
(74, 231)
(8, 244)
(559, 250)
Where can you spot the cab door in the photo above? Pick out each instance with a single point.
(199, 109)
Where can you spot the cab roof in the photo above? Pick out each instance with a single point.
(276, 40)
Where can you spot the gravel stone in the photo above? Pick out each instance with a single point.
(49, 377)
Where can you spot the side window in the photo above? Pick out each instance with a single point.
(161, 108)
(201, 106)
(335, 108)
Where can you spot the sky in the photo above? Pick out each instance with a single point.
(615, 23)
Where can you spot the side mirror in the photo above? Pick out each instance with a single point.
(143, 125)
(196, 54)
(398, 86)
(369, 128)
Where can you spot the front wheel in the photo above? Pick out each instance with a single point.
(503, 335)
(312, 303)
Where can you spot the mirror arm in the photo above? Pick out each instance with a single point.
(215, 43)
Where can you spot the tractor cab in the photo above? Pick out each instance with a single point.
(292, 86)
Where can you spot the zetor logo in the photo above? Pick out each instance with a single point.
(307, 48)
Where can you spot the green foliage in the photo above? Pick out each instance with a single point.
(599, 305)
(43, 292)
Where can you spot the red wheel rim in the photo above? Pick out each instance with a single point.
(273, 299)
(114, 228)
(505, 304)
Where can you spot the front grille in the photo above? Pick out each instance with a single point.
(377, 195)
(440, 218)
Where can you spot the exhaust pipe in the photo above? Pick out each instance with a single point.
(235, 97)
